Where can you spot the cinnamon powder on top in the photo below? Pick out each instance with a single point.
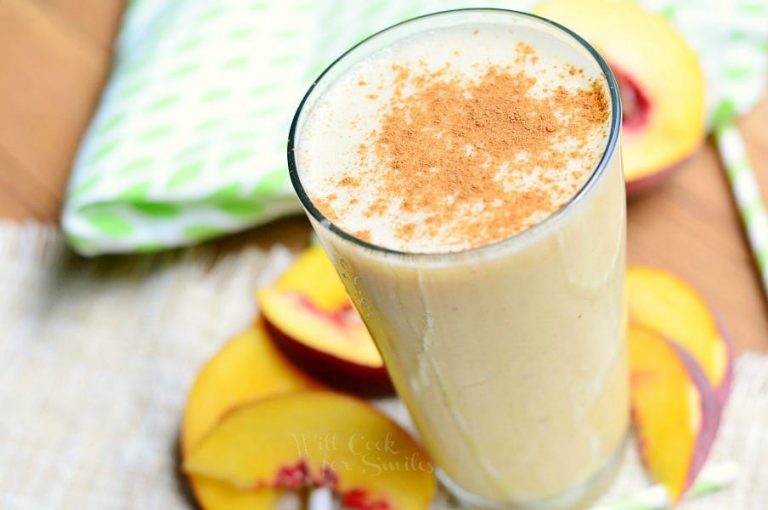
(461, 155)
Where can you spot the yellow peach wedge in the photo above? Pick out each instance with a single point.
(312, 274)
(661, 301)
(212, 494)
(675, 412)
(313, 321)
(248, 367)
(317, 439)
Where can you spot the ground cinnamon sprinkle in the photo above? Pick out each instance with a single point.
(327, 208)
(365, 235)
(349, 181)
(460, 155)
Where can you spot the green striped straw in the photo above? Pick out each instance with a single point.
(711, 479)
(744, 186)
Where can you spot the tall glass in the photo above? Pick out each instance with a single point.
(511, 357)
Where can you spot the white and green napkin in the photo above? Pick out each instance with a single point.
(190, 137)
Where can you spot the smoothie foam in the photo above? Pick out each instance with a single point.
(454, 138)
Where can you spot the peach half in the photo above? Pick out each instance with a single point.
(660, 80)
(663, 302)
(675, 412)
(313, 321)
(317, 439)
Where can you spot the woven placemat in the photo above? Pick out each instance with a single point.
(96, 357)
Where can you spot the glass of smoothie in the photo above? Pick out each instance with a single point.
(463, 172)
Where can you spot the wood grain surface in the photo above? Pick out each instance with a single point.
(55, 56)
(690, 225)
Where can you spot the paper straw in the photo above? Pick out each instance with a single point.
(711, 479)
(744, 186)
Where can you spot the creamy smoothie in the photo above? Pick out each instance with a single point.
(463, 174)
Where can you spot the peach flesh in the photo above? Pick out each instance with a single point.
(710, 414)
(248, 366)
(337, 330)
(312, 321)
(665, 303)
(212, 494)
(341, 317)
(317, 439)
(340, 373)
(675, 411)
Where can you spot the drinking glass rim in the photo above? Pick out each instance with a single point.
(594, 177)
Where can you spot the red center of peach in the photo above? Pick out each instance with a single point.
(635, 104)
(345, 315)
(358, 500)
(299, 477)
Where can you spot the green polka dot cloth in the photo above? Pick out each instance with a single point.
(189, 140)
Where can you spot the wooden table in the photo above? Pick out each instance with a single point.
(55, 56)
(691, 226)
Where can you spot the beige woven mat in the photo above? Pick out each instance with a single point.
(96, 358)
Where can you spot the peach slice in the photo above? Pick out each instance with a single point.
(675, 412)
(249, 366)
(660, 80)
(318, 438)
(661, 301)
(212, 494)
(313, 322)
